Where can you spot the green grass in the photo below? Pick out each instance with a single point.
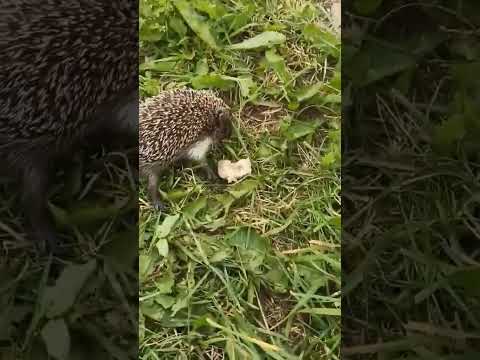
(248, 270)
(83, 304)
(410, 240)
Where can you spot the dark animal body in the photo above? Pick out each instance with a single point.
(179, 125)
(68, 70)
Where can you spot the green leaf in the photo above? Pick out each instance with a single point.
(141, 325)
(375, 62)
(323, 311)
(468, 48)
(211, 81)
(299, 129)
(245, 84)
(448, 132)
(178, 26)
(219, 256)
(332, 99)
(367, 7)
(177, 194)
(237, 21)
(226, 200)
(322, 39)
(277, 63)
(182, 302)
(467, 279)
(248, 238)
(158, 65)
(214, 9)
(87, 213)
(265, 39)
(252, 247)
(308, 92)
(277, 279)
(165, 284)
(202, 67)
(329, 159)
(166, 227)
(244, 188)
(196, 22)
(60, 297)
(192, 209)
(145, 265)
(162, 247)
(165, 300)
(56, 337)
(122, 248)
(152, 310)
(336, 81)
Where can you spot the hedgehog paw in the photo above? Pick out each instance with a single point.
(53, 245)
(210, 174)
(159, 206)
(48, 244)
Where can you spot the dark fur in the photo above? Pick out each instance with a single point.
(67, 70)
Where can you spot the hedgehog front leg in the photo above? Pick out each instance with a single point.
(34, 200)
(208, 171)
(204, 168)
(153, 191)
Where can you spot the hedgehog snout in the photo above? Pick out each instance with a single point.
(223, 129)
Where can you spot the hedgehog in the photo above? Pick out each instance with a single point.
(179, 126)
(69, 72)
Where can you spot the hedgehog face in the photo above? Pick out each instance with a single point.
(223, 124)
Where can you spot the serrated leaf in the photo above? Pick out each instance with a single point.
(265, 39)
(196, 22)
